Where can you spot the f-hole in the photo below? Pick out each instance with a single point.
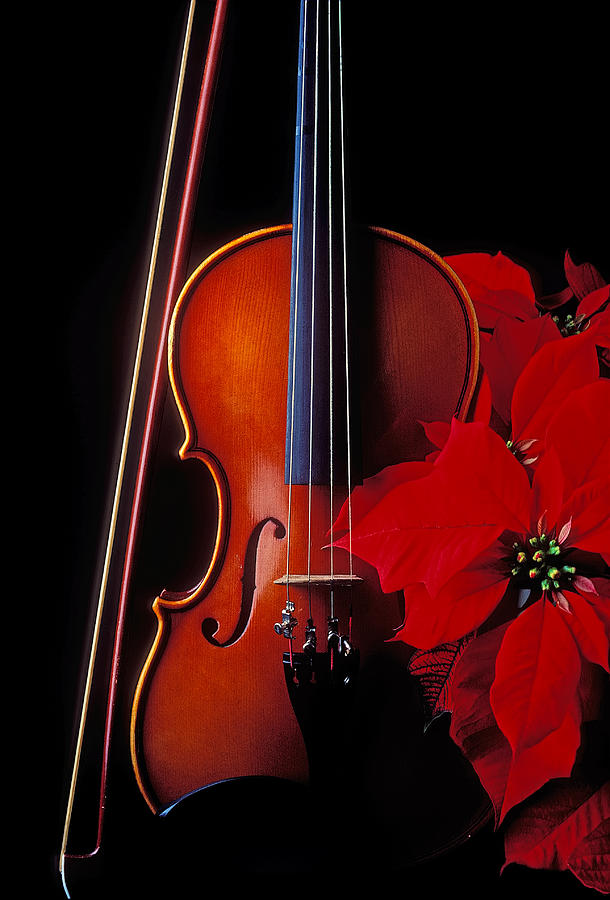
(210, 626)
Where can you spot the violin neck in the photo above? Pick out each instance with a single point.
(319, 424)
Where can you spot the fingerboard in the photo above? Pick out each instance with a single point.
(319, 421)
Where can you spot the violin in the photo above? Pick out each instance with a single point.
(302, 359)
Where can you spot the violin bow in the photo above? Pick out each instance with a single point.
(177, 275)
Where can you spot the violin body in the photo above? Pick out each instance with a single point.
(212, 703)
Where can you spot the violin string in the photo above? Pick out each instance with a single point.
(128, 424)
(297, 240)
(313, 299)
(330, 296)
(345, 301)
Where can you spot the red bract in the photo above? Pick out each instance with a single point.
(595, 311)
(550, 375)
(581, 461)
(455, 539)
(497, 286)
(505, 355)
(561, 826)
(533, 699)
(557, 831)
(590, 859)
(429, 529)
(582, 280)
(545, 383)
(514, 324)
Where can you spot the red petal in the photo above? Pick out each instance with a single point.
(601, 601)
(549, 833)
(580, 433)
(437, 432)
(554, 301)
(473, 727)
(506, 779)
(556, 369)
(547, 490)
(428, 529)
(497, 286)
(582, 278)
(587, 629)
(533, 698)
(367, 495)
(512, 346)
(415, 548)
(592, 691)
(595, 306)
(552, 757)
(593, 302)
(537, 668)
(599, 333)
(496, 482)
(590, 861)
(463, 604)
(588, 508)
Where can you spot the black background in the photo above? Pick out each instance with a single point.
(468, 131)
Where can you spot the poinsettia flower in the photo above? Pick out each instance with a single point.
(472, 532)
(449, 535)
